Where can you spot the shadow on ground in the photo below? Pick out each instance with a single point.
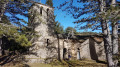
(12, 59)
(77, 63)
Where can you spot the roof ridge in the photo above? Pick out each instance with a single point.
(44, 4)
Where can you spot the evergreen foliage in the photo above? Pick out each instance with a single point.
(70, 29)
(19, 36)
(5, 20)
(98, 14)
(89, 33)
(16, 40)
(15, 9)
(49, 2)
(90, 8)
(58, 28)
(23, 41)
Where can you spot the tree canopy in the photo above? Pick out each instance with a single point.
(49, 2)
(58, 28)
(12, 24)
(70, 30)
(90, 9)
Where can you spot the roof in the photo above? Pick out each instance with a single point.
(97, 38)
(82, 38)
(41, 4)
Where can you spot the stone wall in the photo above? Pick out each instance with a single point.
(88, 49)
(44, 46)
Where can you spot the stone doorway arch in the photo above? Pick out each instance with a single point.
(78, 54)
(65, 53)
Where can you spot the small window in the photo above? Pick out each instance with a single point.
(41, 8)
(64, 50)
(47, 42)
(47, 12)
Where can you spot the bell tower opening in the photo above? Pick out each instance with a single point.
(41, 8)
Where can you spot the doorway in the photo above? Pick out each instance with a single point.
(78, 54)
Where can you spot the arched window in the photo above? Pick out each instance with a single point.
(47, 11)
(64, 53)
(41, 8)
(78, 53)
(47, 42)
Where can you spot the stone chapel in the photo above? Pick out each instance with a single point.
(47, 46)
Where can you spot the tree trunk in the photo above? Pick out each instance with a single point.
(58, 48)
(0, 46)
(115, 38)
(2, 8)
(107, 36)
(113, 3)
(115, 32)
(115, 43)
(107, 44)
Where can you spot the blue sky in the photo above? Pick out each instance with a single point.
(61, 16)
(65, 20)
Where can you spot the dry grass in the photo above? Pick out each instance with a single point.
(44, 65)
(72, 63)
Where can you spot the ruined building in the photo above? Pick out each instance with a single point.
(48, 46)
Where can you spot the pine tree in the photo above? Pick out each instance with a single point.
(58, 28)
(17, 40)
(15, 34)
(49, 2)
(101, 16)
(70, 29)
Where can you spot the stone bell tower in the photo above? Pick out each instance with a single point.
(41, 18)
